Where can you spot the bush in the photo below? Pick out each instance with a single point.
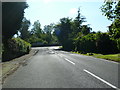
(22, 46)
(86, 44)
(16, 47)
(90, 54)
(118, 44)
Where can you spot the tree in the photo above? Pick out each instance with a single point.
(36, 28)
(85, 44)
(70, 31)
(86, 29)
(77, 23)
(104, 44)
(49, 28)
(12, 15)
(24, 33)
(112, 11)
(63, 31)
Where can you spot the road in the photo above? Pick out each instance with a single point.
(51, 68)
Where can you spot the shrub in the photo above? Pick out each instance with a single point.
(90, 54)
(118, 44)
(16, 47)
(22, 46)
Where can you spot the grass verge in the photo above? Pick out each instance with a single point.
(112, 57)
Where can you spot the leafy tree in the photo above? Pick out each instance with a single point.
(36, 28)
(12, 15)
(49, 28)
(70, 31)
(24, 33)
(63, 31)
(104, 44)
(85, 44)
(86, 29)
(112, 11)
(77, 23)
(114, 29)
(43, 37)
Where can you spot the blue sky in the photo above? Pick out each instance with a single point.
(50, 11)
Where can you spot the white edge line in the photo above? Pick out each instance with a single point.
(69, 61)
(100, 79)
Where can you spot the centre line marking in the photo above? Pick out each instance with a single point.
(69, 61)
(100, 79)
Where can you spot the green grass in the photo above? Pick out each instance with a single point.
(60, 47)
(112, 57)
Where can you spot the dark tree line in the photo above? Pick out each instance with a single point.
(74, 36)
(37, 36)
(12, 15)
(70, 33)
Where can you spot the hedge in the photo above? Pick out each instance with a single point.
(118, 44)
(16, 47)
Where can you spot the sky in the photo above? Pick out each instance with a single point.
(51, 11)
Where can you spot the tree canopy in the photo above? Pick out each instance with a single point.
(12, 15)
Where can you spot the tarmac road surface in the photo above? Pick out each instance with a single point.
(51, 68)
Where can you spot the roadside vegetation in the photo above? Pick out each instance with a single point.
(111, 57)
(79, 38)
(17, 39)
(70, 33)
(74, 36)
(17, 47)
(11, 47)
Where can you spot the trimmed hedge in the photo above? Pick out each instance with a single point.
(16, 47)
(118, 44)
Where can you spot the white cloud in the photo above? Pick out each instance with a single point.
(73, 11)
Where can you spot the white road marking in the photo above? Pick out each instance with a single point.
(101, 79)
(69, 61)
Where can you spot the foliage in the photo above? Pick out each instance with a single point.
(24, 32)
(12, 15)
(104, 44)
(112, 11)
(63, 31)
(38, 37)
(85, 43)
(17, 47)
(113, 57)
(49, 28)
(36, 28)
(74, 36)
(114, 29)
(118, 44)
(70, 31)
(21, 45)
